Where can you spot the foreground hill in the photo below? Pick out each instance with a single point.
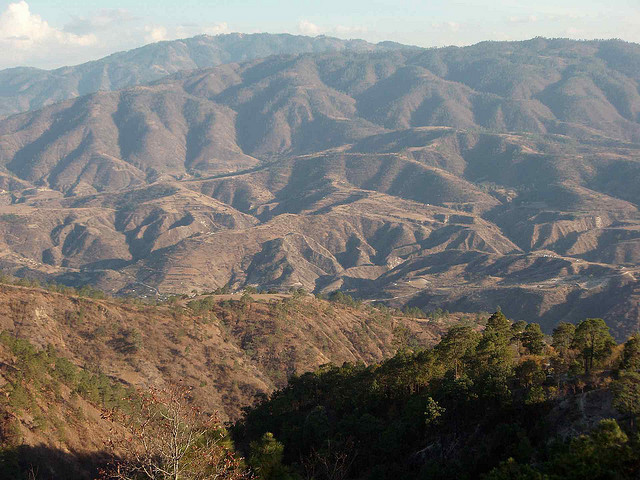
(463, 178)
(65, 358)
(23, 88)
(502, 401)
(230, 348)
(498, 405)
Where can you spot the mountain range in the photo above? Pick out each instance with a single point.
(501, 174)
(26, 88)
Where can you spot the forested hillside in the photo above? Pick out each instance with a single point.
(506, 403)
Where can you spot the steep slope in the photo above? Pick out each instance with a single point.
(227, 348)
(489, 405)
(68, 362)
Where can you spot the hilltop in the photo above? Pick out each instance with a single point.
(501, 404)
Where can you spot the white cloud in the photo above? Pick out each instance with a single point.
(448, 32)
(27, 38)
(527, 19)
(158, 33)
(19, 28)
(216, 29)
(453, 26)
(307, 28)
(190, 30)
(446, 26)
(155, 33)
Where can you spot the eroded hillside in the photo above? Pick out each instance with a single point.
(503, 174)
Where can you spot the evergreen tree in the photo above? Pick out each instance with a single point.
(533, 339)
(593, 340)
(493, 348)
(604, 454)
(499, 326)
(459, 343)
(631, 354)
(517, 330)
(563, 337)
(627, 394)
(266, 458)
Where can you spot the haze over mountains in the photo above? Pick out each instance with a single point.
(465, 178)
(24, 89)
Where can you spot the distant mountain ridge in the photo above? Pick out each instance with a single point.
(25, 88)
(237, 116)
(505, 173)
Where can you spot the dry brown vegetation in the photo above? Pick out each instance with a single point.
(461, 178)
(66, 359)
(227, 350)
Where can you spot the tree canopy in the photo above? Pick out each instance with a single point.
(477, 405)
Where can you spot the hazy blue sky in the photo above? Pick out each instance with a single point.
(51, 33)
